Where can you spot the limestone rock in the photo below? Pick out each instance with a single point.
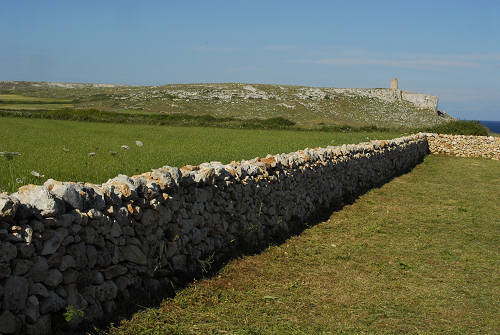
(39, 198)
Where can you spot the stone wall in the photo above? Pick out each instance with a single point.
(465, 146)
(90, 247)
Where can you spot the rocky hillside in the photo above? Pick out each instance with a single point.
(307, 106)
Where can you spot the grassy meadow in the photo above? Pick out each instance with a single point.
(17, 102)
(91, 152)
(419, 255)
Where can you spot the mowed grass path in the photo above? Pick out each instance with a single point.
(420, 255)
(60, 149)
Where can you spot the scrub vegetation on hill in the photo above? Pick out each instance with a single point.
(308, 107)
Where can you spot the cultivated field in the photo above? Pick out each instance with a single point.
(92, 152)
(420, 255)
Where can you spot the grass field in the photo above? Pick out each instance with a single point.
(34, 106)
(17, 98)
(60, 149)
(420, 255)
(17, 102)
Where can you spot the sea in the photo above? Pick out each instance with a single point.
(494, 126)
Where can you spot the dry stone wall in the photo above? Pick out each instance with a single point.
(465, 146)
(88, 247)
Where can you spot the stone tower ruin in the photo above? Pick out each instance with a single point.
(394, 84)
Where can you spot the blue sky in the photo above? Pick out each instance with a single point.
(447, 48)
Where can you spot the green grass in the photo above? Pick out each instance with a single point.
(420, 255)
(16, 102)
(17, 98)
(42, 144)
(460, 127)
(33, 107)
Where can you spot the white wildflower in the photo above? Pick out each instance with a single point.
(91, 154)
(113, 153)
(37, 174)
(125, 147)
(139, 143)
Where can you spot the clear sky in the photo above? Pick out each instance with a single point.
(447, 48)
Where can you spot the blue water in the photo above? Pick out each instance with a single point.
(494, 126)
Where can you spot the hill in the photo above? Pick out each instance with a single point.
(307, 106)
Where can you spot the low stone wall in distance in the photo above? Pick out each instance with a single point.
(465, 146)
(85, 248)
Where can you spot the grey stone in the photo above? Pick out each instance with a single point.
(91, 256)
(67, 262)
(179, 263)
(39, 289)
(5, 270)
(42, 327)
(72, 194)
(133, 254)
(32, 310)
(16, 292)
(54, 278)
(8, 207)
(171, 249)
(8, 251)
(40, 269)
(8, 323)
(51, 245)
(78, 251)
(61, 292)
(116, 230)
(25, 250)
(53, 303)
(98, 278)
(149, 217)
(114, 271)
(106, 291)
(21, 266)
(70, 276)
(121, 215)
